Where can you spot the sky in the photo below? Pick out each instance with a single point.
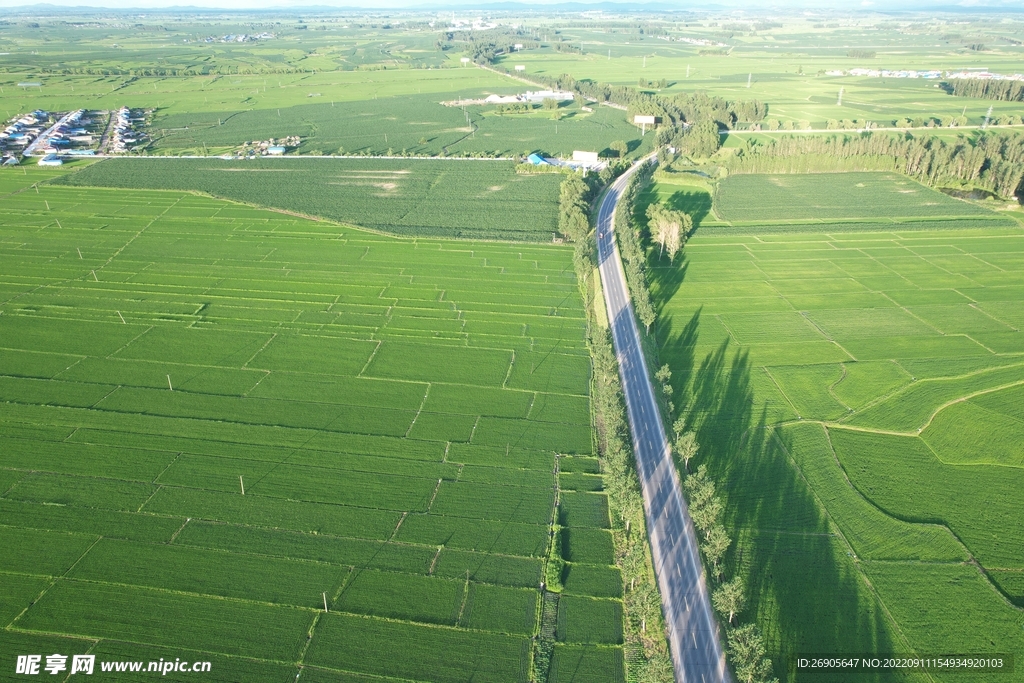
(469, 5)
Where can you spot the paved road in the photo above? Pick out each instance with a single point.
(693, 633)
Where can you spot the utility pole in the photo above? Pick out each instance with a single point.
(839, 103)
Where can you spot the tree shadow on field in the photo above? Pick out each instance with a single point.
(665, 277)
(697, 204)
(803, 590)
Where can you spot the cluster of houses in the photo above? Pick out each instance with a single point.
(701, 42)
(60, 137)
(528, 97)
(74, 134)
(237, 38)
(984, 76)
(581, 161)
(970, 74)
(272, 147)
(886, 73)
(20, 132)
(33, 135)
(477, 24)
(124, 136)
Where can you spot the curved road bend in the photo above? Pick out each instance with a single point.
(693, 633)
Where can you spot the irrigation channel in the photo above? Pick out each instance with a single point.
(697, 653)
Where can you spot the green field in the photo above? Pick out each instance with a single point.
(338, 58)
(368, 87)
(189, 94)
(786, 61)
(393, 407)
(830, 198)
(453, 198)
(415, 125)
(859, 392)
(390, 354)
(748, 204)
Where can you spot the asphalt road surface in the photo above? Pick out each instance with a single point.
(697, 653)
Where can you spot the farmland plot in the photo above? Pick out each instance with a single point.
(416, 124)
(883, 372)
(844, 202)
(453, 198)
(234, 417)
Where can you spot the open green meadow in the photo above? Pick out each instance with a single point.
(446, 198)
(858, 389)
(393, 408)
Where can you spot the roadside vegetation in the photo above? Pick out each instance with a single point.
(359, 418)
(992, 162)
(743, 644)
(646, 655)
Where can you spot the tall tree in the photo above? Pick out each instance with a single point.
(746, 650)
(655, 669)
(685, 443)
(729, 600)
(668, 228)
(699, 487)
(705, 516)
(714, 547)
(701, 140)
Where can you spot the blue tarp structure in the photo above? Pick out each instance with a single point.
(536, 159)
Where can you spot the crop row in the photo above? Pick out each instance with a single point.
(439, 198)
(393, 414)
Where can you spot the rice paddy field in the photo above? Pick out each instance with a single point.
(448, 198)
(857, 389)
(216, 419)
